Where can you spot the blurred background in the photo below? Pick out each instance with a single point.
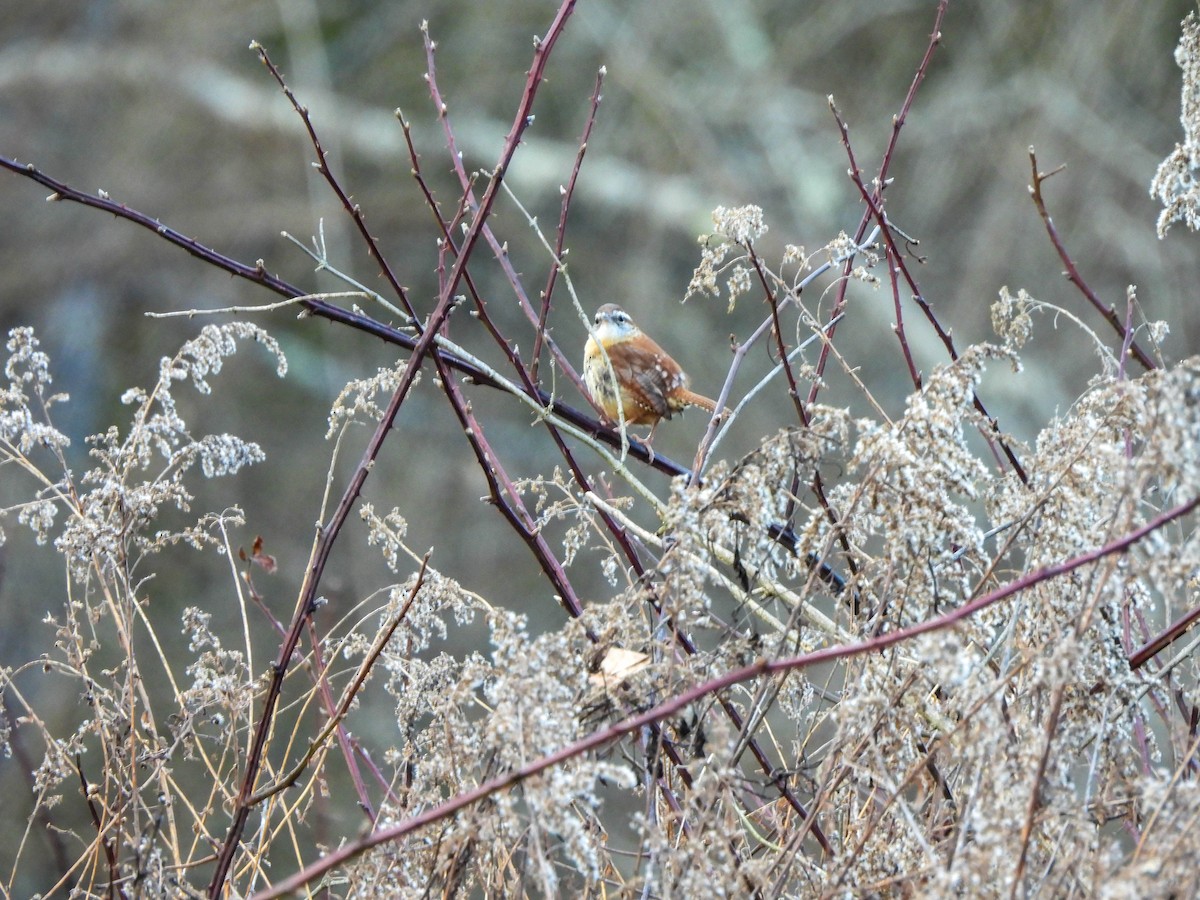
(705, 103)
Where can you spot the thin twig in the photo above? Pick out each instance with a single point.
(560, 234)
(874, 203)
(498, 248)
(1035, 792)
(742, 349)
(350, 694)
(322, 166)
(898, 328)
(1165, 638)
(1072, 271)
(839, 306)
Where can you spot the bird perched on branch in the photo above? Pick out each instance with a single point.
(650, 386)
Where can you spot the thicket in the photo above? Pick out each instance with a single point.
(879, 655)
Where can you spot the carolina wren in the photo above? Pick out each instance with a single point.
(650, 386)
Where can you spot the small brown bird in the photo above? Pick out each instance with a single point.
(650, 386)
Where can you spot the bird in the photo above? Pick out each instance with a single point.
(650, 386)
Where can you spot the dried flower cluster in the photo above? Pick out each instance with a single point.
(1175, 182)
(107, 525)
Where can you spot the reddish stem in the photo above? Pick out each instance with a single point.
(561, 231)
(1072, 272)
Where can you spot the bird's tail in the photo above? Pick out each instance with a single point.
(691, 398)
